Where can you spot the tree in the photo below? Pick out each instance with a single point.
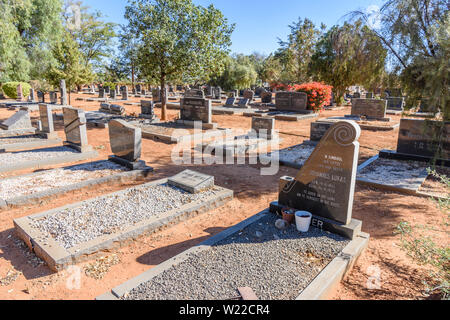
(177, 39)
(416, 33)
(28, 29)
(295, 53)
(70, 64)
(348, 55)
(240, 73)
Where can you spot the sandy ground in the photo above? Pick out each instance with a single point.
(22, 276)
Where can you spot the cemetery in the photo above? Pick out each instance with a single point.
(150, 150)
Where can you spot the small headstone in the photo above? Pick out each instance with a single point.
(264, 127)
(243, 103)
(217, 93)
(356, 95)
(192, 181)
(249, 94)
(101, 93)
(41, 97)
(46, 115)
(112, 94)
(19, 93)
(369, 95)
(53, 97)
(325, 184)
(20, 120)
(125, 93)
(230, 102)
(32, 95)
(318, 130)
(147, 109)
(266, 97)
(194, 93)
(125, 140)
(395, 103)
(75, 129)
(370, 108)
(291, 101)
(63, 92)
(424, 138)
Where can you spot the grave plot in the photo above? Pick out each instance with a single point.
(372, 125)
(294, 156)
(126, 145)
(276, 265)
(45, 136)
(18, 124)
(369, 109)
(404, 170)
(75, 232)
(76, 147)
(262, 137)
(270, 256)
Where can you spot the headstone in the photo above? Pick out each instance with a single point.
(20, 120)
(395, 103)
(209, 91)
(125, 93)
(138, 88)
(125, 140)
(266, 97)
(191, 181)
(395, 92)
(147, 109)
(318, 130)
(53, 97)
(243, 103)
(41, 97)
(194, 93)
(31, 97)
(107, 89)
(369, 95)
(75, 129)
(195, 109)
(46, 115)
(117, 109)
(112, 94)
(117, 89)
(356, 95)
(264, 127)
(425, 138)
(63, 92)
(291, 101)
(249, 94)
(19, 93)
(370, 108)
(101, 93)
(217, 93)
(230, 102)
(325, 184)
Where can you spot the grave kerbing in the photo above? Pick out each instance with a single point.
(325, 184)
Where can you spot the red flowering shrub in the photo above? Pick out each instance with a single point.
(281, 87)
(319, 94)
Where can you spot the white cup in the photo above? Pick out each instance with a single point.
(303, 220)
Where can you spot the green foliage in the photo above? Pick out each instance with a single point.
(240, 73)
(178, 40)
(348, 55)
(10, 89)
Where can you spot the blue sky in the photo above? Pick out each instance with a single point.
(259, 23)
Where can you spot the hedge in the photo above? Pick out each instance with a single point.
(10, 89)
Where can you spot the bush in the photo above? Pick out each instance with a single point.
(10, 89)
(319, 94)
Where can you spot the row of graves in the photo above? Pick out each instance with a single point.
(261, 252)
(259, 258)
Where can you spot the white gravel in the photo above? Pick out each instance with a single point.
(276, 264)
(113, 213)
(297, 154)
(55, 178)
(394, 172)
(38, 154)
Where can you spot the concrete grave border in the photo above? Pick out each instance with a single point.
(57, 257)
(29, 145)
(37, 197)
(16, 132)
(283, 117)
(320, 288)
(38, 164)
(160, 137)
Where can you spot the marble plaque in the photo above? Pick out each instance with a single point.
(125, 140)
(192, 181)
(325, 184)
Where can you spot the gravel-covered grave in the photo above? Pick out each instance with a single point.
(276, 264)
(38, 154)
(296, 155)
(394, 172)
(112, 214)
(55, 178)
(166, 128)
(20, 139)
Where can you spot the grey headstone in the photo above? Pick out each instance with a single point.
(291, 101)
(264, 127)
(266, 97)
(243, 103)
(101, 92)
(194, 93)
(249, 94)
(424, 138)
(19, 93)
(46, 115)
(112, 94)
(53, 97)
(63, 92)
(325, 184)
(32, 96)
(194, 109)
(75, 127)
(370, 108)
(125, 140)
(230, 102)
(147, 109)
(192, 181)
(395, 103)
(41, 97)
(369, 95)
(19, 120)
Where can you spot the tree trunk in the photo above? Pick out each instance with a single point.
(163, 98)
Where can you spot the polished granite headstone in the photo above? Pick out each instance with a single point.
(264, 127)
(47, 126)
(75, 129)
(230, 102)
(266, 97)
(126, 144)
(41, 97)
(370, 108)
(20, 120)
(194, 93)
(395, 103)
(291, 101)
(53, 97)
(249, 94)
(195, 109)
(243, 103)
(424, 138)
(325, 184)
(147, 110)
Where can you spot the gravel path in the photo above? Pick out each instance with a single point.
(297, 154)
(393, 172)
(111, 214)
(20, 139)
(276, 264)
(49, 179)
(38, 154)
